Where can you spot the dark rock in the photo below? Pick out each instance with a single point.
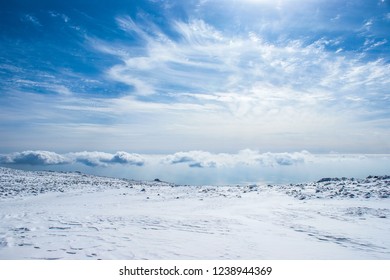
(324, 180)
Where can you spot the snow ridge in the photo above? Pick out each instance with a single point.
(18, 183)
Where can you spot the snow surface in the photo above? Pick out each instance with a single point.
(65, 215)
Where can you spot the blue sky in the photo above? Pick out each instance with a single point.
(213, 76)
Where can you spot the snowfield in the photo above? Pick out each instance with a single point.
(65, 215)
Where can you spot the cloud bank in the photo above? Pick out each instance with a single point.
(193, 159)
(34, 158)
(203, 159)
(91, 159)
(202, 167)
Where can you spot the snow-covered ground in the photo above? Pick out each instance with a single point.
(54, 215)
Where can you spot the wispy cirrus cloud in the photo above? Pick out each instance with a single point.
(201, 84)
(246, 81)
(202, 61)
(31, 19)
(255, 74)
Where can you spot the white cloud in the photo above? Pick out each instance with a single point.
(34, 158)
(64, 17)
(126, 158)
(87, 158)
(201, 159)
(370, 44)
(202, 167)
(207, 89)
(194, 159)
(215, 68)
(244, 157)
(91, 158)
(104, 159)
(31, 19)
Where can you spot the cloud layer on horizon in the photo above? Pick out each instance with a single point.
(192, 159)
(244, 157)
(34, 158)
(91, 159)
(201, 167)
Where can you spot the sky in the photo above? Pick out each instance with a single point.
(204, 84)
